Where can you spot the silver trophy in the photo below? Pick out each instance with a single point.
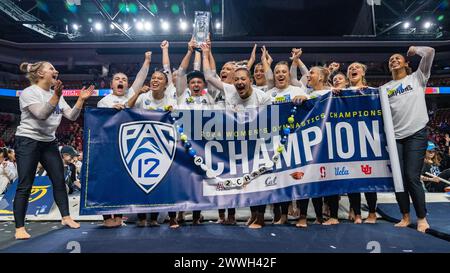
(201, 26)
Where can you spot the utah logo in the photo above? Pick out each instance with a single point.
(147, 149)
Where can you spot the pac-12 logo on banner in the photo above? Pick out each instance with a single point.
(147, 149)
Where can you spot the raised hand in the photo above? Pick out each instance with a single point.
(144, 89)
(164, 44)
(192, 44)
(86, 93)
(205, 48)
(412, 50)
(119, 106)
(296, 53)
(333, 67)
(58, 88)
(253, 54)
(148, 56)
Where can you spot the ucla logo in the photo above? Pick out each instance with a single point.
(147, 149)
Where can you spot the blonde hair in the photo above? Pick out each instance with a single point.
(364, 67)
(31, 70)
(324, 72)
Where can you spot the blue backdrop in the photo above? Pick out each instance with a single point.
(134, 160)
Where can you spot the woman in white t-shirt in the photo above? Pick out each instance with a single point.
(119, 86)
(118, 99)
(356, 73)
(42, 109)
(317, 79)
(406, 96)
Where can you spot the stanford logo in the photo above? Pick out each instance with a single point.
(147, 149)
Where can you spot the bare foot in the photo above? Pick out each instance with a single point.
(422, 225)
(22, 234)
(255, 226)
(109, 223)
(173, 223)
(351, 215)
(153, 223)
(358, 219)
(221, 219)
(371, 219)
(404, 222)
(283, 220)
(141, 223)
(231, 220)
(118, 221)
(331, 221)
(301, 223)
(68, 221)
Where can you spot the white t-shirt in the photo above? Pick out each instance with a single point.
(285, 95)
(234, 101)
(110, 100)
(264, 88)
(312, 94)
(407, 101)
(206, 101)
(148, 102)
(30, 126)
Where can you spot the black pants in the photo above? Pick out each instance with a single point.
(195, 214)
(109, 216)
(231, 212)
(260, 208)
(355, 202)
(282, 207)
(302, 204)
(143, 216)
(411, 153)
(333, 203)
(28, 153)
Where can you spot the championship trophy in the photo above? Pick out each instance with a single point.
(201, 26)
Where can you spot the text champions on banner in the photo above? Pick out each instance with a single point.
(135, 161)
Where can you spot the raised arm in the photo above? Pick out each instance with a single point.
(212, 62)
(181, 76)
(197, 60)
(210, 75)
(266, 61)
(252, 59)
(143, 72)
(427, 54)
(166, 59)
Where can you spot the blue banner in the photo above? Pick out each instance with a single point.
(137, 161)
(41, 198)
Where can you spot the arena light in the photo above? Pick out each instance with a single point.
(427, 25)
(218, 25)
(183, 25)
(75, 27)
(126, 26)
(98, 26)
(148, 26)
(406, 25)
(112, 26)
(165, 25)
(140, 26)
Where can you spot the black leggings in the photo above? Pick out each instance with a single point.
(411, 152)
(333, 203)
(109, 216)
(231, 212)
(143, 216)
(302, 204)
(355, 202)
(28, 153)
(282, 207)
(260, 208)
(195, 214)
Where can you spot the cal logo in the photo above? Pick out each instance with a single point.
(147, 149)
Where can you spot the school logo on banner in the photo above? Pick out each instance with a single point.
(147, 149)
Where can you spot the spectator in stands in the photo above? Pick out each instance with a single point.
(432, 165)
(68, 154)
(12, 155)
(8, 170)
